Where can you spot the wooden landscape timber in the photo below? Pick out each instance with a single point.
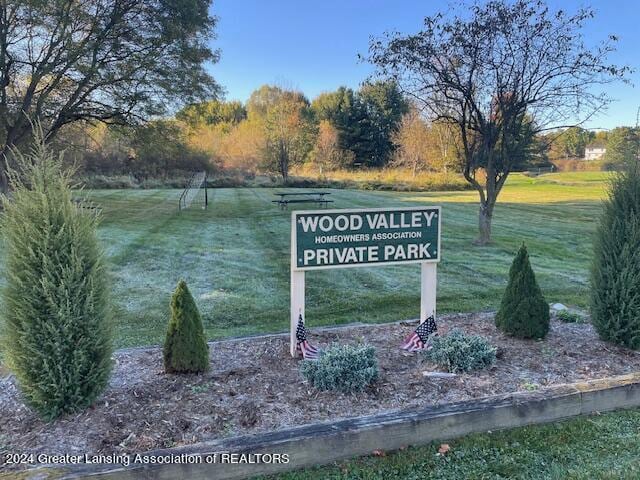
(323, 443)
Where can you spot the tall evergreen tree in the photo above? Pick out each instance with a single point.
(615, 275)
(366, 120)
(185, 347)
(383, 105)
(57, 339)
(523, 313)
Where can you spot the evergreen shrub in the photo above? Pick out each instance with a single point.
(57, 337)
(343, 368)
(615, 273)
(185, 346)
(523, 313)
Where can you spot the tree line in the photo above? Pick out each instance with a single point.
(622, 144)
(274, 131)
(278, 129)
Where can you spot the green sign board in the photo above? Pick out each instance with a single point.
(351, 238)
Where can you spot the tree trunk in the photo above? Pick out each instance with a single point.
(284, 170)
(4, 179)
(4, 183)
(484, 223)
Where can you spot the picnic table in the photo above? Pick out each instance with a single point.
(302, 197)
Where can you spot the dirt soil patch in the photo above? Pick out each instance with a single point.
(255, 386)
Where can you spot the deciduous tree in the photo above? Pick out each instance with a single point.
(213, 112)
(570, 143)
(499, 73)
(327, 153)
(114, 61)
(244, 145)
(160, 148)
(623, 146)
(288, 127)
(412, 141)
(446, 142)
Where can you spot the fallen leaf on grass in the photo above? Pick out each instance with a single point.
(444, 449)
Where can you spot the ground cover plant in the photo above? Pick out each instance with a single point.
(343, 368)
(238, 249)
(568, 316)
(458, 352)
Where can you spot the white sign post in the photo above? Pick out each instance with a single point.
(325, 239)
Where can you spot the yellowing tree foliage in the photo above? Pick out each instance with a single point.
(327, 154)
(413, 142)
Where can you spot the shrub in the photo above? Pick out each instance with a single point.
(569, 317)
(458, 352)
(57, 338)
(106, 182)
(185, 347)
(345, 368)
(580, 165)
(615, 274)
(523, 313)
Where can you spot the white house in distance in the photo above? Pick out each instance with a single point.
(594, 151)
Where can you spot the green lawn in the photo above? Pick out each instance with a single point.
(588, 448)
(235, 255)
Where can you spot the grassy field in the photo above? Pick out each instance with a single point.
(589, 448)
(235, 255)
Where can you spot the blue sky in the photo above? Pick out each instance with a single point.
(313, 46)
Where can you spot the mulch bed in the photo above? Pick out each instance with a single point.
(254, 386)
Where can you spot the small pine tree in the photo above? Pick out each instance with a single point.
(185, 348)
(523, 313)
(57, 337)
(615, 274)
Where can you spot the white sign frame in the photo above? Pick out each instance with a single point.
(428, 274)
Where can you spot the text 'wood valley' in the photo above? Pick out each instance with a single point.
(343, 238)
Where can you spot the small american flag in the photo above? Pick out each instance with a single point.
(308, 351)
(421, 336)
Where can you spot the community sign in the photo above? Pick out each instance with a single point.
(352, 238)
